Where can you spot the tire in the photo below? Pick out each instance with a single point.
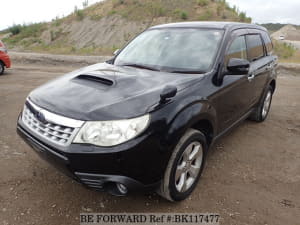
(262, 111)
(188, 169)
(2, 68)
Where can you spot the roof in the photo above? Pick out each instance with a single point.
(212, 24)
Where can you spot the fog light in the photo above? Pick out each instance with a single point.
(122, 188)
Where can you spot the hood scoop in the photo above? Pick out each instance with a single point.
(96, 78)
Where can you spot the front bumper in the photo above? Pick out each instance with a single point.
(138, 164)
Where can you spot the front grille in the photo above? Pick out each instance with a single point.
(53, 132)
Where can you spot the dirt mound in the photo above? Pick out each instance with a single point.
(289, 32)
(108, 25)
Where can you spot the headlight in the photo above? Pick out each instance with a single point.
(109, 133)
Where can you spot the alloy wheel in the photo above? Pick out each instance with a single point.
(267, 103)
(189, 166)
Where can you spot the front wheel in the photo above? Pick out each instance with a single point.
(2, 68)
(185, 167)
(262, 111)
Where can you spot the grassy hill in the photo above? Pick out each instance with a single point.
(108, 25)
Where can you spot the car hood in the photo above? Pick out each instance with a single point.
(105, 92)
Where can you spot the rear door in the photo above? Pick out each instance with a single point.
(261, 63)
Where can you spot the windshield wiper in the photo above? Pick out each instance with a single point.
(187, 71)
(140, 66)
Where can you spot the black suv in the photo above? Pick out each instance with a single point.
(146, 118)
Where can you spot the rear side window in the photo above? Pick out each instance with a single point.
(237, 49)
(255, 47)
(268, 43)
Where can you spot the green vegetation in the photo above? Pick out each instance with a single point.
(284, 50)
(207, 15)
(15, 29)
(79, 13)
(180, 14)
(183, 15)
(57, 21)
(118, 2)
(202, 2)
(146, 10)
(243, 17)
(25, 34)
(96, 17)
(112, 12)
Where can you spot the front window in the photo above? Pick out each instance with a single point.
(173, 50)
(237, 49)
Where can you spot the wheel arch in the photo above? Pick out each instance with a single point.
(199, 115)
(273, 85)
(206, 127)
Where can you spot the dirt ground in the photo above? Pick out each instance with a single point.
(252, 175)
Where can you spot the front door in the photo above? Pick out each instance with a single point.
(236, 93)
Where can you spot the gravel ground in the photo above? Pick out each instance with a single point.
(252, 175)
(55, 60)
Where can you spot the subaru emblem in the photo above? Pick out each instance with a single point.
(41, 117)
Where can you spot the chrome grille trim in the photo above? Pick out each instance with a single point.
(57, 119)
(56, 132)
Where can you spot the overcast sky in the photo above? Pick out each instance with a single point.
(27, 11)
(270, 11)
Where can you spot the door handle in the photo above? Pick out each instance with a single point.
(251, 77)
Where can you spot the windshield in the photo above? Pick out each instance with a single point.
(173, 50)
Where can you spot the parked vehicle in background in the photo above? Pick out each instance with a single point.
(281, 37)
(147, 117)
(4, 58)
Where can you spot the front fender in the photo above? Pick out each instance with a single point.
(188, 116)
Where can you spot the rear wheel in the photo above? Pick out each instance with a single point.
(185, 167)
(262, 111)
(2, 68)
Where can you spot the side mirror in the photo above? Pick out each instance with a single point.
(168, 92)
(238, 66)
(116, 52)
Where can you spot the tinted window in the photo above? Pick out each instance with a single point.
(255, 47)
(268, 43)
(237, 49)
